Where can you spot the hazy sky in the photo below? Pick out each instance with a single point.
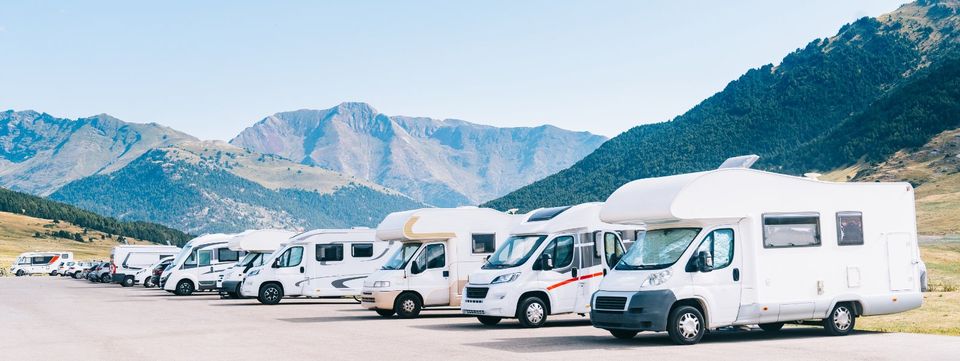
(213, 68)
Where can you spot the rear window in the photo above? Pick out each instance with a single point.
(791, 230)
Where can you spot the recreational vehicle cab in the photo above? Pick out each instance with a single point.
(30, 263)
(737, 246)
(319, 263)
(258, 245)
(127, 261)
(199, 264)
(551, 264)
(439, 248)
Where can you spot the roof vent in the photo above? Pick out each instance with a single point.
(743, 161)
(547, 214)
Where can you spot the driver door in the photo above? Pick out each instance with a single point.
(723, 281)
(290, 269)
(561, 280)
(430, 274)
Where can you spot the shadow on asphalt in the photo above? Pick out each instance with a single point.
(284, 303)
(506, 324)
(371, 316)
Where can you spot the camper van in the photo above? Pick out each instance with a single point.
(739, 247)
(199, 264)
(319, 263)
(439, 248)
(30, 263)
(126, 261)
(551, 264)
(258, 245)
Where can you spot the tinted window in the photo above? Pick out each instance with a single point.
(361, 250)
(42, 259)
(849, 228)
(436, 257)
(561, 249)
(791, 230)
(226, 255)
(484, 243)
(291, 257)
(612, 250)
(719, 247)
(329, 252)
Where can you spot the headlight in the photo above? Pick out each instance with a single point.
(657, 279)
(381, 284)
(510, 277)
(253, 273)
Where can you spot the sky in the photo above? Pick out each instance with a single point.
(213, 68)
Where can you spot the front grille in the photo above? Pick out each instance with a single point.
(367, 299)
(610, 303)
(477, 292)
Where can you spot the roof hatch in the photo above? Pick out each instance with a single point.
(547, 214)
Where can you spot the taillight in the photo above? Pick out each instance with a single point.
(113, 268)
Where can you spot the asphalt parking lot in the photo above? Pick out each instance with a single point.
(75, 319)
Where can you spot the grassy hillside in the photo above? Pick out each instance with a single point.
(18, 234)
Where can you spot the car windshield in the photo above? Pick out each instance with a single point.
(514, 252)
(250, 258)
(402, 256)
(658, 249)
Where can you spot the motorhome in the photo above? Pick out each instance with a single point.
(319, 263)
(258, 245)
(127, 260)
(30, 263)
(740, 247)
(439, 248)
(199, 264)
(551, 264)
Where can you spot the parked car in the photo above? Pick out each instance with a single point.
(155, 272)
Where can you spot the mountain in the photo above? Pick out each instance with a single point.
(40, 153)
(809, 112)
(205, 187)
(439, 162)
(26, 205)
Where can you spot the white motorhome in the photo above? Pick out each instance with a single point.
(319, 263)
(439, 248)
(30, 263)
(736, 246)
(258, 245)
(552, 264)
(199, 264)
(127, 260)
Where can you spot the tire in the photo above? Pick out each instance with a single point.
(686, 325)
(532, 312)
(489, 320)
(407, 305)
(127, 282)
(270, 294)
(105, 278)
(20, 273)
(184, 288)
(841, 320)
(53, 273)
(385, 313)
(147, 283)
(76, 275)
(771, 327)
(623, 334)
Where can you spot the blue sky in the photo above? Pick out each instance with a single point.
(212, 68)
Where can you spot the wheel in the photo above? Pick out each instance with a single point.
(53, 273)
(623, 334)
(148, 283)
(270, 294)
(20, 273)
(771, 327)
(841, 320)
(489, 320)
(184, 288)
(407, 305)
(232, 295)
(385, 313)
(105, 278)
(532, 312)
(686, 325)
(76, 275)
(127, 282)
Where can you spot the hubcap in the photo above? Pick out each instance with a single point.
(689, 325)
(409, 305)
(272, 294)
(535, 312)
(841, 318)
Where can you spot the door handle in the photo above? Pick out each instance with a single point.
(301, 269)
(736, 274)
(573, 272)
(446, 273)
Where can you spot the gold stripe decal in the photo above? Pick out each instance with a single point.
(410, 234)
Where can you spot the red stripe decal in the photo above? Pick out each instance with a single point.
(598, 274)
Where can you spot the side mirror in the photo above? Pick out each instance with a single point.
(275, 264)
(486, 259)
(704, 262)
(546, 262)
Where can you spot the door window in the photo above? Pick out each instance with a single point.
(612, 250)
(432, 256)
(191, 261)
(205, 257)
(719, 247)
(329, 252)
(291, 257)
(561, 249)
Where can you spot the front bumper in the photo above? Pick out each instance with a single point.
(495, 301)
(643, 311)
(117, 277)
(231, 286)
(376, 299)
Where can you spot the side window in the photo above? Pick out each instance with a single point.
(561, 248)
(226, 255)
(419, 264)
(329, 252)
(191, 261)
(719, 247)
(849, 228)
(204, 257)
(612, 250)
(436, 256)
(484, 243)
(361, 250)
(791, 230)
(291, 257)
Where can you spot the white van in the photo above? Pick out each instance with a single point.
(199, 264)
(319, 263)
(736, 246)
(126, 261)
(258, 245)
(439, 248)
(552, 264)
(30, 263)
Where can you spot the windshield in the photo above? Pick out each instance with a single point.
(255, 259)
(402, 256)
(658, 249)
(514, 252)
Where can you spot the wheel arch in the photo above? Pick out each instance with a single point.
(695, 302)
(541, 294)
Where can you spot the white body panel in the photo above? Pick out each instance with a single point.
(200, 263)
(258, 245)
(128, 261)
(29, 263)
